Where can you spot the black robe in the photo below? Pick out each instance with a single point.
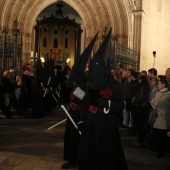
(37, 102)
(100, 145)
(72, 136)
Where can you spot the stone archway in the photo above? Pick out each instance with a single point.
(94, 14)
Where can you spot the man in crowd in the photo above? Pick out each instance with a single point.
(167, 75)
(152, 72)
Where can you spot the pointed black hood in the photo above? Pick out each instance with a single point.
(40, 75)
(98, 71)
(49, 67)
(78, 70)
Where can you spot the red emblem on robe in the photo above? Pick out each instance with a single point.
(106, 93)
(72, 96)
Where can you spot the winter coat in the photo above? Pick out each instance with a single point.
(162, 104)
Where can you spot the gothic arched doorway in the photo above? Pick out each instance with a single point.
(58, 37)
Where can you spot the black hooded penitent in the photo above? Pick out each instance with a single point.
(98, 71)
(78, 74)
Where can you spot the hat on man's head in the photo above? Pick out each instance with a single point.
(98, 71)
(78, 69)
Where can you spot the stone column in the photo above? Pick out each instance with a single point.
(137, 32)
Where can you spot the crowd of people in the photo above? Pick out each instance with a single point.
(147, 107)
(141, 103)
(21, 87)
(146, 115)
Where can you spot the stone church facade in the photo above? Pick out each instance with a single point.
(140, 25)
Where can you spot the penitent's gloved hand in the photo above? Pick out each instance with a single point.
(103, 103)
(80, 125)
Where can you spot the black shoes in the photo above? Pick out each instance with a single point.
(67, 165)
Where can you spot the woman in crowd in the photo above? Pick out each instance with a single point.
(152, 111)
(140, 109)
(20, 92)
(7, 88)
(161, 102)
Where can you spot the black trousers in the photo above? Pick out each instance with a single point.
(139, 116)
(159, 140)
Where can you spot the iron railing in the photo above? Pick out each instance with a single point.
(10, 48)
(123, 56)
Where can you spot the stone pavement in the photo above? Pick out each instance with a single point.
(26, 144)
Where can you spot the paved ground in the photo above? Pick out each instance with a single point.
(25, 144)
